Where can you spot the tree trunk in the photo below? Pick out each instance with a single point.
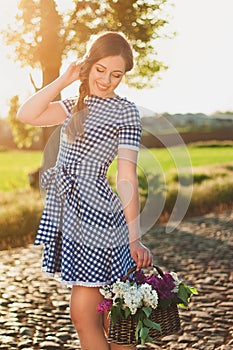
(49, 74)
(50, 50)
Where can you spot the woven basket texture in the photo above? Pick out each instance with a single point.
(124, 332)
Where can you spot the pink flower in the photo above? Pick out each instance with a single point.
(104, 305)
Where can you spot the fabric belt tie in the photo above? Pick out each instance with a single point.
(61, 183)
(63, 176)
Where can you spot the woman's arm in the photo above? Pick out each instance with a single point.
(127, 187)
(39, 110)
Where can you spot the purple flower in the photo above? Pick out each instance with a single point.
(140, 277)
(163, 286)
(104, 305)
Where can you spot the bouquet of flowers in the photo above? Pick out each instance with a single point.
(145, 306)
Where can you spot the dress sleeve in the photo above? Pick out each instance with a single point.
(130, 129)
(68, 104)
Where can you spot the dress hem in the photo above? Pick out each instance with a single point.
(74, 283)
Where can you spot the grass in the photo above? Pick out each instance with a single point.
(209, 155)
(15, 166)
(206, 170)
(212, 189)
(162, 159)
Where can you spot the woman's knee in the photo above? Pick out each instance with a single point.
(77, 317)
(80, 322)
(83, 303)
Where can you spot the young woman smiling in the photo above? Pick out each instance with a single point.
(91, 235)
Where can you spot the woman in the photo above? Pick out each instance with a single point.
(91, 236)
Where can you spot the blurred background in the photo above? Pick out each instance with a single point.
(181, 83)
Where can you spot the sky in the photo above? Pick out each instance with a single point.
(200, 60)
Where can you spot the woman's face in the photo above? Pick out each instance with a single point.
(105, 75)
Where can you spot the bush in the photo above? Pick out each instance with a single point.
(20, 215)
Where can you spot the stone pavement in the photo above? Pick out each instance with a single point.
(34, 310)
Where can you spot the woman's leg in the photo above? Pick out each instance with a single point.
(121, 347)
(114, 346)
(87, 321)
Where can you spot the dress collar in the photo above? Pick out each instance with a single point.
(92, 100)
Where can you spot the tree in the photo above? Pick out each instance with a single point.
(42, 37)
(141, 22)
(36, 30)
(23, 134)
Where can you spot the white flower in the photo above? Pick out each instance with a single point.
(153, 300)
(175, 277)
(132, 296)
(150, 296)
(133, 299)
(120, 288)
(106, 292)
(177, 282)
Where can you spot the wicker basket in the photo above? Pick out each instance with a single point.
(124, 332)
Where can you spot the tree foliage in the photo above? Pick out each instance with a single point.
(23, 135)
(42, 36)
(141, 21)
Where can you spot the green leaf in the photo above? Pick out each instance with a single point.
(193, 290)
(140, 314)
(114, 313)
(164, 304)
(143, 334)
(127, 312)
(149, 340)
(183, 306)
(138, 328)
(147, 310)
(120, 302)
(151, 324)
(182, 293)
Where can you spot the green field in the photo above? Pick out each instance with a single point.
(205, 171)
(15, 165)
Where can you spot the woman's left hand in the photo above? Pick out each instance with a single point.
(141, 254)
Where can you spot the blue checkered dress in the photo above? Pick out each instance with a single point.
(83, 227)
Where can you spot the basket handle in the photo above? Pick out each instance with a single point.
(132, 269)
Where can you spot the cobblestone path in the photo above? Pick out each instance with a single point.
(34, 310)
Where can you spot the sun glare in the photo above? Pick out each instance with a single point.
(8, 12)
(199, 77)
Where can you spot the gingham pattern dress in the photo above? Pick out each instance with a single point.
(83, 227)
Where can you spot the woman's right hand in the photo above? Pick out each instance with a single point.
(72, 72)
(141, 254)
(41, 109)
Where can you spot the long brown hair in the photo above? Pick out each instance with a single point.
(107, 44)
